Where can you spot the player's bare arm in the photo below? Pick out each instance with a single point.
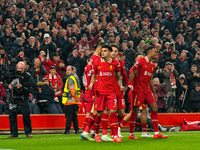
(152, 88)
(119, 79)
(93, 79)
(133, 74)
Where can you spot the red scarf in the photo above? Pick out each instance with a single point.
(181, 60)
(172, 79)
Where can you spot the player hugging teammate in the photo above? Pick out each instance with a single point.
(105, 81)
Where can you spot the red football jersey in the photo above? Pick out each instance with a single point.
(94, 59)
(145, 71)
(106, 76)
(87, 77)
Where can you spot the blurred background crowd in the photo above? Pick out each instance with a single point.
(59, 33)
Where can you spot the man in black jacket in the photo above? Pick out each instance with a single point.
(18, 101)
(48, 46)
(195, 98)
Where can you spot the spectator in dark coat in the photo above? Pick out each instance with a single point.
(31, 50)
(161, 90)
(181, 94)
(193, 48)
(17, 46)
(192, 76)
(48, 46)
(46, 98)
(7, 40)
(196, 60)
(75, 60)
(183, 62)
(38, 71)
(130, 54)
(195, 98)
(169, 24)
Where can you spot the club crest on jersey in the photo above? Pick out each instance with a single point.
(152, 68)
(99, 67)
(110, 67)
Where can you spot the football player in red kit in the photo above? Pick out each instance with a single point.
(106, 71)
(143, 71)
(89, 94)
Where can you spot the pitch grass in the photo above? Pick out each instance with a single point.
(176, 141)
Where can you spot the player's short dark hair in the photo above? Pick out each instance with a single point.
(107, 46)
(115, 45)
(150, 48)
(137, 54)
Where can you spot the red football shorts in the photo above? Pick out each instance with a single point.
(109, 100)
(143, 106)
(140, 98)
(121, 101)
(89, 101)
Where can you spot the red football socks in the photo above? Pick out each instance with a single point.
(85, 123)
(144, 127)
(97, 122)
(154, 119)
(114, 123)
(104, 122)
(132, 121)
(90, 123)
(122, 123)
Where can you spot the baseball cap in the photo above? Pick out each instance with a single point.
(46, 35)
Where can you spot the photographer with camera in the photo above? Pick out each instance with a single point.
(19, 83)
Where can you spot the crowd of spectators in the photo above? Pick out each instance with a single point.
(64, 32)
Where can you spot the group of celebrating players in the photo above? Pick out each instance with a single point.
(104, 88)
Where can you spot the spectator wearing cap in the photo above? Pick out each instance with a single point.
(48, 46)
(84, 43)
(37, 71)
(17, 46)
(192, 21)
(35, 19)
(7, 12)
(31, 50)
(188, 35)
(181, 94)
(75, 59)
(195, 98)
(184, 61)
(59, 64)
(7, 40)
(47, 63)
(170, 74)
(192, 77)
(170, 25)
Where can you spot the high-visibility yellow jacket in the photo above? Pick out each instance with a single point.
(71, 91)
